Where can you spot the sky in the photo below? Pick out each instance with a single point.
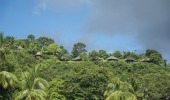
(125, 25)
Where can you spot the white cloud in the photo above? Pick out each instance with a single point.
(148, 20)
(58, 5)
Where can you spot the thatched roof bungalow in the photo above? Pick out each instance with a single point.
(98, 58)
(64, 58)
(112, 58)
(78, 58)
(130, 59)
(38, 55)
(19, 48)
(146, 60)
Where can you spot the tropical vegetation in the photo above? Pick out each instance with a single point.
(40, 69)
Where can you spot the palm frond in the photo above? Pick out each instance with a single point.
(40, 83)
(7, 79)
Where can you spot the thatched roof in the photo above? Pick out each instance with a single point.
(145, 60)
(78, 58)
(112, 58)
(64, 58)
(19, 48)
(130, 59)
(38, 54)
(98, 58)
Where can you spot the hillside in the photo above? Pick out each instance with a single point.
(40, 69)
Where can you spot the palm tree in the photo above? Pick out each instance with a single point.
(7, 79)
(33, 87)
(119, 95)
(33, 47)
(31, 37)
(7, 83)
(138, 89)
(119, 91)
(2, 50)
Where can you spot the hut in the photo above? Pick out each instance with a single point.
(19, 48)
(146, 60)
(38, 55)
(112, 58)
(97, 58)
(78, 58)
(130, 59)
(64, 58)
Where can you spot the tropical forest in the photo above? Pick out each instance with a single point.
(38, 68)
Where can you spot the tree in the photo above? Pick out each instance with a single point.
(7, 79)
(8, 82)
(54, 49)
(64, 51)
(85, 81)
(154, 56)
(84, 56)
(119, 91)
(33, 48)
(44, 41)
(31, 37)
(55, 89)
(165, 62)
(93, 55)
(21, 42)
(130, 55)
(103, 54)
(2, 50)
(9, 40)
(117, 54)
(78, 48)
(149, 52)
(33, 87)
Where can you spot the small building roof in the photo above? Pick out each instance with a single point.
(19, 48)
(38, 54)
(98, 58)
(145, 60)
(78, 58)
(112, 58)
(65, 58)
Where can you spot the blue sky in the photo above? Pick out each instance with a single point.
(100, 24)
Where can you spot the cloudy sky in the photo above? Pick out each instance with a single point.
(124, 25)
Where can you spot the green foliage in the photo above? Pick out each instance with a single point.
(84, 56)
(1, 39)
(85, 82)
(33, 48)
(2, 50)
(54, 49)
(78, 48)
(154, 56)
(31, 37)
(44, 41)
(119, 95)
(117, 54)
(93, 78)
(33, 87)
(103, 54)
(56, 89)
(119, 91)
(9, 40)
(93, 55)
(7, 80)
